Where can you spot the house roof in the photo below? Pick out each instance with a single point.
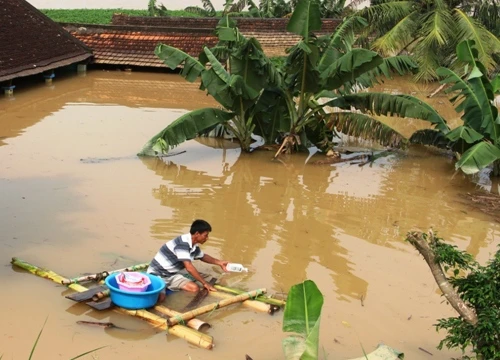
(31, 43)
(134, 45)
(245, 24)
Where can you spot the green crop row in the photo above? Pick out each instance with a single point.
(99, 16)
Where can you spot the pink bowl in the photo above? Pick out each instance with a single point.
(133, 281)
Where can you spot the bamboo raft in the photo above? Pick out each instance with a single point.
(183, 325)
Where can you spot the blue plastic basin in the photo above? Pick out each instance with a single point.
(135, 300)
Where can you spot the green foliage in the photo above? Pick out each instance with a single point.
(431, 30)
(286, 102)
(302, 316)
(102, 16)
(479, 287)
(89, 16)
(477, 140)
(156, 10)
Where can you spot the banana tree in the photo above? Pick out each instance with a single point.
(318, 69)
(477, 140)
(237, 90)
(288, 105)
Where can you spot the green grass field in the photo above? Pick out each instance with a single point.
(99, 16)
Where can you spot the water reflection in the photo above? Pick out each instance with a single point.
(284, 215)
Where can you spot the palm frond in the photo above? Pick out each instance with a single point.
(398, 37)
(485, 42)
(401, 65)
(428, 62)
(437, 29)
(365, 127)
(386, 12)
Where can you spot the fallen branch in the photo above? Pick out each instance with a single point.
(422, 243)
(436, 91)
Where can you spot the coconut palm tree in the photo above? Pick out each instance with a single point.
(430, 30)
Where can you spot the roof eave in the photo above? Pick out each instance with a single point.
(41, 69)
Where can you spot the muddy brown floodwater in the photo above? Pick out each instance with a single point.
(76, 199)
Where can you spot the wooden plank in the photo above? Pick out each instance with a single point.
(101, 305)
(86, 295)
(200, 296)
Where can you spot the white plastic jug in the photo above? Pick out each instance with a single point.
(233, 267)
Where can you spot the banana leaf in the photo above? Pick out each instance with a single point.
(305, 19)
(391, 105)
(366, 127)
(475, 94)
(466, 133)
(186, 127)
(174, 57)
(478, 157)
(302, 315)
(349, 67)
(430, 137)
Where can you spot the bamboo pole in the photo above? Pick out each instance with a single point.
(196, 324)
(190, 335)
(101, 275)
(193, 323)
(208, 308)
(262, 298)
(252, 304)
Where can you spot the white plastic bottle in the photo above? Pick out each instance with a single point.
(233, 267)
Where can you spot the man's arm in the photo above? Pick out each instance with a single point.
(210, 260)
(194, 273)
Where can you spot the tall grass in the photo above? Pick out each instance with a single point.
(100, 16)
(38, 338)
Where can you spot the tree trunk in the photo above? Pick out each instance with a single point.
(422, 245)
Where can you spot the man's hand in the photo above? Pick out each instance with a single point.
(223, 265)
(209, 287)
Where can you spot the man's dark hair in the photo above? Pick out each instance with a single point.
(199, 226)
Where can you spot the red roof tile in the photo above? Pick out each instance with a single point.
(31, 43)
(133, 45)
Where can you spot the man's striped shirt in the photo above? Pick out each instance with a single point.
(168, 260)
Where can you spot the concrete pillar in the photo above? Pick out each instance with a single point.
(81, 68)
(48, 78)
(8, 90)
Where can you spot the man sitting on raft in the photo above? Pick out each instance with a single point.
(174, 260)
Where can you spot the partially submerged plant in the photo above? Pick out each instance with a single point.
(473, 290)
(477, 141)
(38, 338)
(302, 316)
(288, 105)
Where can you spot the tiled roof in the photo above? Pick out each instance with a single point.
(273, 44)
(31, 43)
(134, 45)
(245, 24)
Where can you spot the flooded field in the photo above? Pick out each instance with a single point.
(76, 199)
